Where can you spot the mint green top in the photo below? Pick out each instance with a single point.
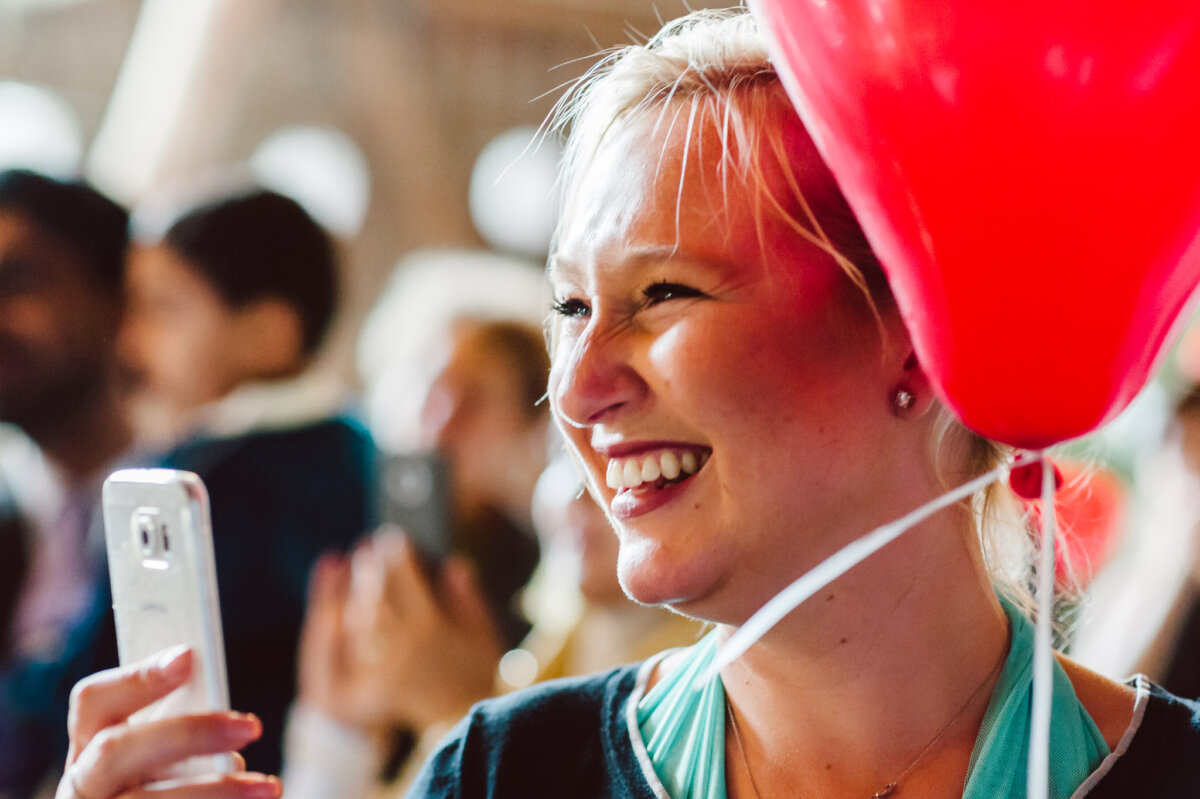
(684, 729)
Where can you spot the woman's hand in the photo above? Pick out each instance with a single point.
(110, 757)
(383, 646)
(405, 650)
(325, 681)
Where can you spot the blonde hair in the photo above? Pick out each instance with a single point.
(713, 66)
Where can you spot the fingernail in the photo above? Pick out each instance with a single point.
(173, 662)
(243, 726)
(269, 788)
(258, 786)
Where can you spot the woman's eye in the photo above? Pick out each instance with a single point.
(570, 308)
(663, 291)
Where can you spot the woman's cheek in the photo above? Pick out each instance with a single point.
(680, 346)
(707, 356)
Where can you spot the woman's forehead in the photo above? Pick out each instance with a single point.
(668, 182)
(641, 167)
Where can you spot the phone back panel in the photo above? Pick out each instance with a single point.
(164, 589)
(416, 498)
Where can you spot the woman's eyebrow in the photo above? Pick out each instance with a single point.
(564, 269)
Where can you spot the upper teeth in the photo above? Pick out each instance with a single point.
(631, 472)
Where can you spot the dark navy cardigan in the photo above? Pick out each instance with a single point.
(569, 739)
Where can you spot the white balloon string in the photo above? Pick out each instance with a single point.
(835, 566)
(1037, 779)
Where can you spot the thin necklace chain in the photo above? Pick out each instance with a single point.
(737, 736)
(890, 788)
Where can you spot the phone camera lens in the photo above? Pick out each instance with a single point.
(146, 528)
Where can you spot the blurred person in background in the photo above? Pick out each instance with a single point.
(454, 366)
(405, 341)
(484, 416)
(396, 649)
(63, 421)
(228, 309)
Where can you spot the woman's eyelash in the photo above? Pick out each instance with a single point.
(664, 290)
(571, 308)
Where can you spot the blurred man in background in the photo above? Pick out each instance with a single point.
(63, 421)
(229, 306)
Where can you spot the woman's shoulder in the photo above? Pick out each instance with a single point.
(1111, 704)
(549, 739)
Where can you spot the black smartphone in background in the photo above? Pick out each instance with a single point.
(415, 496)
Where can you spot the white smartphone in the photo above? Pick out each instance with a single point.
(164, 590)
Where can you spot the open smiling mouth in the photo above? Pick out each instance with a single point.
(654, 470)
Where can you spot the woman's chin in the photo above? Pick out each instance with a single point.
(652, 575)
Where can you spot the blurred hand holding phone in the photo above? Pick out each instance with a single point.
(417, 498)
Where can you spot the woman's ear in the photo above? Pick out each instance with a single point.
(272, 340)
(912, 394)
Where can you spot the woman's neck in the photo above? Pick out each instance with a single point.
(841, 697)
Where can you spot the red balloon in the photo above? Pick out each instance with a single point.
(1029, 174)
(1090, 510)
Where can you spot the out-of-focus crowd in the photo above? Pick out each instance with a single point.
(357, 634)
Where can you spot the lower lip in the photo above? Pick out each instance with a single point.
(640, 501)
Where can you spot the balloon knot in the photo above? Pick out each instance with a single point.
(1026, 480)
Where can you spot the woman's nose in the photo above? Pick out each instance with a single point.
(593, 378)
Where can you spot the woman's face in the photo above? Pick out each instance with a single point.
(475, 415)
(180, 335)
(747, 374)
